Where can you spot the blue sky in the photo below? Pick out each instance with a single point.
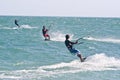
(81, 8)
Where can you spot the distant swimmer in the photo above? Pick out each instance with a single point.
(74, 51)
(45, 33)
(16, 23)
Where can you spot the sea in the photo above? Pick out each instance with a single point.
(25, 55)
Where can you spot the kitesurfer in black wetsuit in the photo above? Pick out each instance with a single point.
(16, 23)
(72, 50)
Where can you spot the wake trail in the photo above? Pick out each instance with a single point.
(59, 36)
(110, 40)
(21, 27)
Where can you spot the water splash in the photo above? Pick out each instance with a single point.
(27, 27)
(103, 39)
(97, 62)
(59, 36)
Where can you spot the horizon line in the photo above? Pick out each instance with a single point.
(62, 16)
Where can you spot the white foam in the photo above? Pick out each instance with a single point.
(3, 76)
(59, 36)
(27, 27)
(97, 62)
(21, 27)
(100, 62)
(103, 39)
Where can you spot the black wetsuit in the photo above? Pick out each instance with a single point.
(44, 31)
(16, 23)
(45, 34)
(69, 44)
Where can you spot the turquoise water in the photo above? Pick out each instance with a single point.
(24, 55)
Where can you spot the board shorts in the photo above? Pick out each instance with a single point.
(46, 35)
(74, 51)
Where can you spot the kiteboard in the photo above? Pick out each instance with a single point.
(84, 59)
(47, 39)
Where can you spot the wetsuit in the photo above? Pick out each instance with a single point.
(69, 45)
(16, 23)
(45, 32)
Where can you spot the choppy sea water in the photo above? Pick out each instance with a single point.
(24, 55)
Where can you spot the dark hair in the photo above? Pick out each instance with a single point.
(67, 36)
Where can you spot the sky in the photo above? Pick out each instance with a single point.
(80, 8)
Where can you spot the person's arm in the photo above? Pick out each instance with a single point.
(47, 30)
(74, 42)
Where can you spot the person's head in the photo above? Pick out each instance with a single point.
(67, 36)
(43, 27)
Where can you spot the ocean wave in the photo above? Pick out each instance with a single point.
(97, 62)
(5, 76)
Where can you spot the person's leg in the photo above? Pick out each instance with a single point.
(77, 52)
(80, 56)
(48, 37)
(45, 37)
